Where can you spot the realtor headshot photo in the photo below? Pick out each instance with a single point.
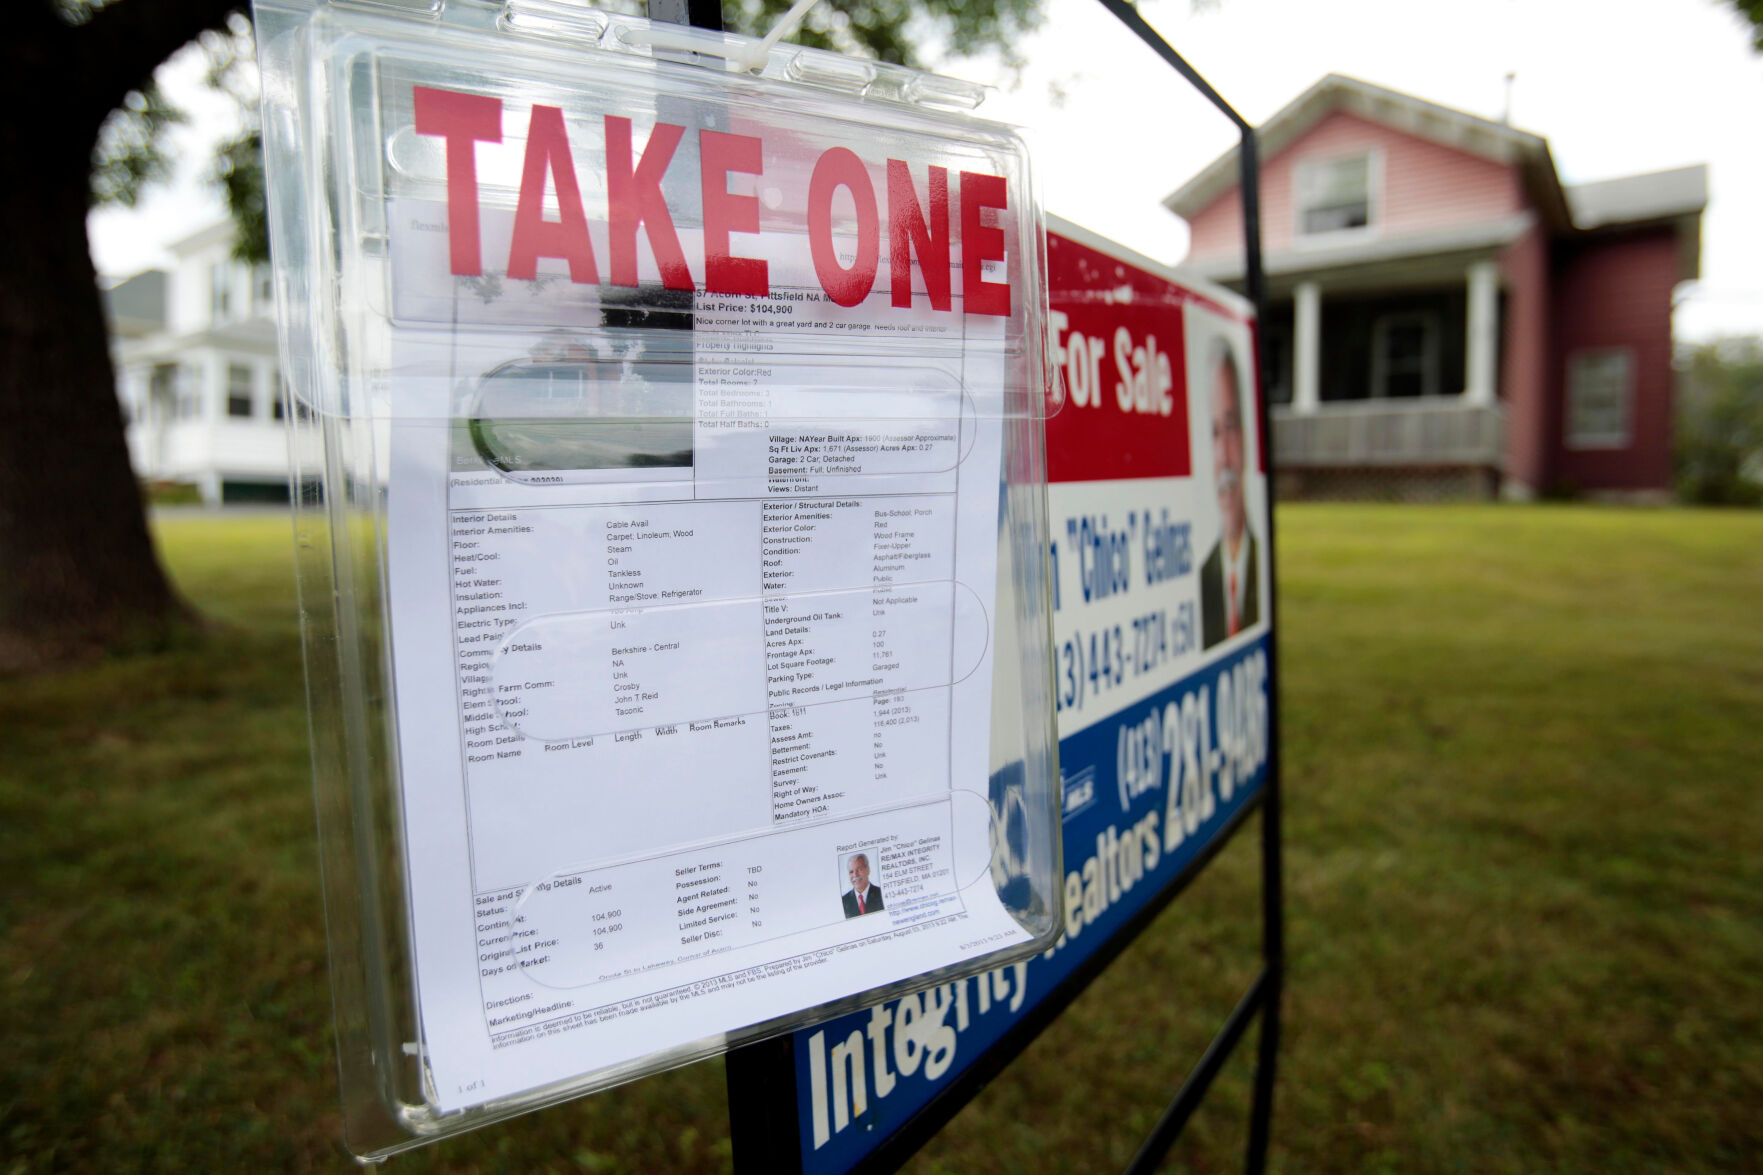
(1230, 578)
(862, 898)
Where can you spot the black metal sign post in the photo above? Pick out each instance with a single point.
(1263, 995)
(763, 1105)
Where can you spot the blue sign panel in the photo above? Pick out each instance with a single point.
(1159, 780)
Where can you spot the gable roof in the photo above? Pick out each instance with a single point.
(1427, 120)
(209, 234)
(136, 305)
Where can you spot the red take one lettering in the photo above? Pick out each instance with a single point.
(839, 167)
(980, 244)
(908, 233)
(635, 200)
(725, 213)
(463, 120)
(547, 149)
(633, 196)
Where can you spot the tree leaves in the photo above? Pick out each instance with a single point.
(131, 151)
(238, 169)
(1720, 422)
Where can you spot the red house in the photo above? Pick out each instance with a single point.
(1445, 318)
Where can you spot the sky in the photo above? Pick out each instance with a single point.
(1618, 87)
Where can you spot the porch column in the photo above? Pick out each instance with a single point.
(1306, 347)
(1482, 366)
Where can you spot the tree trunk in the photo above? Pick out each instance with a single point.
(78, 573)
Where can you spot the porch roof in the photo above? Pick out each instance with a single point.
(1379, 262)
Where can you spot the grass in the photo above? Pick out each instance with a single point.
(1524, 854)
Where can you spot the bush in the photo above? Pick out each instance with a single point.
(1720, 422)
(171, 493)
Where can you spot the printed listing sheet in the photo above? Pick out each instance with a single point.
(693, 629)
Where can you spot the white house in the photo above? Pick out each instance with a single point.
(197, 374)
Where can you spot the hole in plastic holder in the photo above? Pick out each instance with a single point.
(940, 93)
(825, 69)
(563, 19)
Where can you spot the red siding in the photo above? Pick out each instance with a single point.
(1616, 292)
(1425, 186)
(1525, 362)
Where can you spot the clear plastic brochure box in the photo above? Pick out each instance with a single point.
(671, 517)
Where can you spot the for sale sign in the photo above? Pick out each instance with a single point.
(1159, 516)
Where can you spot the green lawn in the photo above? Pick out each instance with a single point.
(1524, 817)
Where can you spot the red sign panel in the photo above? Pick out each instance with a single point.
(1120, 406)
(1120, 400)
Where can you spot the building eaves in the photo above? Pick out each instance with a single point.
(255, 336)
(211, 234)
(1633, 199)
(1404, 112)
(1459, 239)
(136, 305)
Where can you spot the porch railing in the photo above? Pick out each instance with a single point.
(1428, 432)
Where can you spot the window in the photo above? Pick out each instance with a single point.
(238, 391)
(1600, 393)
(220, 285)
(1334, 195)
(162, 391)
(1405, 356)
(283, 397)
(189, 395)
(174, 394)
(132, 391)
(262, 291)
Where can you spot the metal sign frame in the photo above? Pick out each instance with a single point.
(1264, 993)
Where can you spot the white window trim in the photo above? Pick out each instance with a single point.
(1380, 329)
(1374, 198)
(1599, 440)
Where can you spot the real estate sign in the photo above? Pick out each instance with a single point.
(1159, 522)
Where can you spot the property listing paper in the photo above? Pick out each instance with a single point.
(693, 628)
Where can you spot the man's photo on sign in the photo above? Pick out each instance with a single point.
(863, 897)
(1230, 579)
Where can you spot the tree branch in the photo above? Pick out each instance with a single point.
(118, 49)
(37, 16)
(38, 36)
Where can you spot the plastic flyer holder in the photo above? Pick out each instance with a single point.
(671, 531)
